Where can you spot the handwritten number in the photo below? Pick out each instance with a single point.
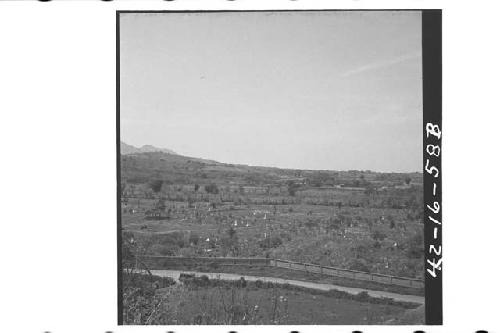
(433, 150)
(431, 169)
(435, 209)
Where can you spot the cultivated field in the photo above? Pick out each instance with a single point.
(173, 205)
(359, 220)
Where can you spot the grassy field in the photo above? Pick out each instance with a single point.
(217, 302)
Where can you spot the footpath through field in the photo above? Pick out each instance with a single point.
(175, 274)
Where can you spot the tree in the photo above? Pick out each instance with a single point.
(369, 190)
(416, 246)
(231, 233)
(230, 242)
(190, 201)
(156, 185)
(128, 249)
(123, 189)
(292, 188)
(161, 204)
(211, 188)
(407, 180)
(194, 238)
(196, 187)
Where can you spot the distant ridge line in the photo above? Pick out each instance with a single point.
(126, 149)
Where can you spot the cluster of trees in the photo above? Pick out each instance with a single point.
(230, 243)
(211, 188)
(156, 186)
(292, 187)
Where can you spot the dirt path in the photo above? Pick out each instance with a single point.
(319, 286)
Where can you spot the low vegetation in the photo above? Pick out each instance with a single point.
(199, 301)
(174, 205)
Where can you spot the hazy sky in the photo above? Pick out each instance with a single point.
(307, 90)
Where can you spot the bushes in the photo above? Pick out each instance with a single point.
(164, 250)
(200, 300)
(156, 185)
(270, 242)
(148, 283)
(360, 251)
(211, 188)
(173, 238)
(292, 188)
(194, 238)
(192, 281)
(362, 296)
(378, 235)
(359, 265)
(214, 265)
(416, 246)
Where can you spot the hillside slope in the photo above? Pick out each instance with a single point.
(126, 149)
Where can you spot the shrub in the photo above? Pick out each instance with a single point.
(211, 188)
(156, 185)
(378, 235)
(359, 265)
(362, 296)
(292, 188)
(416, 246)
(213, 265)
(270, 242)
(242, 283)
(194, 238)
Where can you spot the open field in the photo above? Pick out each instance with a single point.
(358, 220)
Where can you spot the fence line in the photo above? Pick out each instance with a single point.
(348, 273)
(292, 265)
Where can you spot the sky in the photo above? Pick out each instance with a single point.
(301, 90)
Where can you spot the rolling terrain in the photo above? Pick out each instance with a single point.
(175, 205)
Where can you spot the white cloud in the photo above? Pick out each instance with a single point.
(382, 64)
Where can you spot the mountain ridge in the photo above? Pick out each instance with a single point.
(126, 149)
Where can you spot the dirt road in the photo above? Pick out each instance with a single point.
(312, 285)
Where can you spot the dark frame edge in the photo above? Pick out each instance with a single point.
(432, 113)
(118, 178)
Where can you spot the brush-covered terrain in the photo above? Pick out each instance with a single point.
(175, 205)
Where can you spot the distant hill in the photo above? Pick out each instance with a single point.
(141, 165)
(126, 149)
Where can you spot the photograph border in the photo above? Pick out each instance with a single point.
(432, 114)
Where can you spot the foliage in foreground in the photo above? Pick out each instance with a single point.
(150, 300)
(225, 304)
